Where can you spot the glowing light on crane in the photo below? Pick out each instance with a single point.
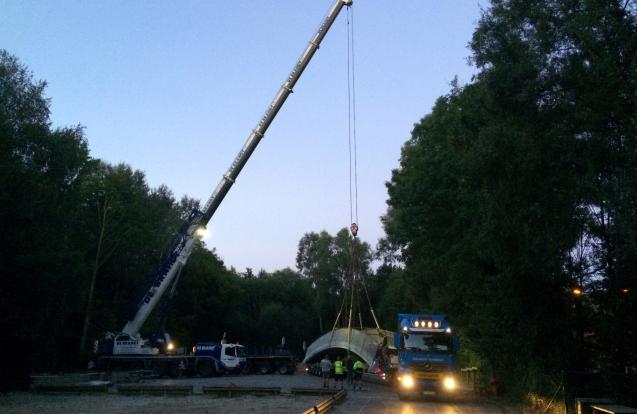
(202, 233)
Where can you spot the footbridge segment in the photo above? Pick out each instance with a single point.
(363, 343)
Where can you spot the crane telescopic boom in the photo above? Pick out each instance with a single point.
(181, 248)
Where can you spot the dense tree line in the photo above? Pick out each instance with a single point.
(521, 187)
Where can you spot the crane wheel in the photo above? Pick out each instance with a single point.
(159, 369)
(205, 368)
(173, 370)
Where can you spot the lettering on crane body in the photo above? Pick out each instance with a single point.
(160, 280)
(153, 289)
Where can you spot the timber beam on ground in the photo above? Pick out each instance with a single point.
(312, 391)
(612, 409)
(154, 389)
(327, 405)
(234, 391)
(73, 388)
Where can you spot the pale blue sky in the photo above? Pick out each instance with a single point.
(174, 88)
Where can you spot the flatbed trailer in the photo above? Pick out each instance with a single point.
(162, 365)
(268, 364)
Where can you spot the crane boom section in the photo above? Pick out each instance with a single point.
(279, 99)
(184, 244)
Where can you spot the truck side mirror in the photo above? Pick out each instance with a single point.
(456, 343)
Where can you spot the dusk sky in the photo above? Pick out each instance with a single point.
(173, 88)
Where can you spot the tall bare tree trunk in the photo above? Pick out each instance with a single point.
(96, 266)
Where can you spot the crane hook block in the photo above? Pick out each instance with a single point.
(354, 228)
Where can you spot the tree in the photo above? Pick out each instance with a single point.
(576, 59)
(499, 184)
(40, 174)
(328, 261)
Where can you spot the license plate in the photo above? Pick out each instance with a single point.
(429, 393)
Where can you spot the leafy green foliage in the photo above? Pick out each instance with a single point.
(40, 174)
(328, 262)
(521, 185)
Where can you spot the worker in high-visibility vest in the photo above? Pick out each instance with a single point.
(359, 367)
(338, 372)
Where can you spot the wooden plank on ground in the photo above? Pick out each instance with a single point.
(613, 409)
(233, 391)
(154, 389)
(101, 387)
(313, 391)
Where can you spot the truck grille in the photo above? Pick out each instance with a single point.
(428, 367)
(426, 370)
(434, 376)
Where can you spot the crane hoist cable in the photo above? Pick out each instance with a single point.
(351, 123)
(354, 276)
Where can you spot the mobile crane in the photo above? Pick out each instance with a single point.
(128, 346)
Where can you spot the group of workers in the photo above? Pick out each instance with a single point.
(350, 370)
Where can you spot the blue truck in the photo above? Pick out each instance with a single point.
(426, 355)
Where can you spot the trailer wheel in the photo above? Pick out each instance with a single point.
(264, 368)
(205, 368)
(283, 369)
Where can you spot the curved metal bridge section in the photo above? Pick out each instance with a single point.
(363, 343)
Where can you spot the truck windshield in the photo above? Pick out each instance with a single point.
(235, 351)
(428, 343)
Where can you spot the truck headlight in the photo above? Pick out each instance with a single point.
(171, 346)
(449, 383)
(407, 381)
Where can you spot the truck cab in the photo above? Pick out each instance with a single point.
(225, 358)
(426, 358)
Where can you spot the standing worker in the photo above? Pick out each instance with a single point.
(349, 364)
(338, 372)
(326, 371)
(359, 367)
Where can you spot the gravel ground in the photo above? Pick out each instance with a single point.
(374, 399)
(61, 403)
(300, 380)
